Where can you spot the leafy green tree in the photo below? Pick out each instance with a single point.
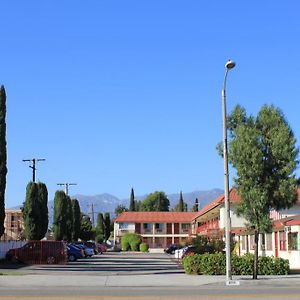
(107, 226)
(196, 205)
(156, 201)
(132, 202)
(86, 228)
(42, 208)
(100, 229)
(61, 216)
(120, 208)
(263, 151)
(31, 213)
(3, 157)
(76, 219)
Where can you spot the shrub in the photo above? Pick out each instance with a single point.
(215, 264)
(204, 245)
(144, 247)
(130, 241)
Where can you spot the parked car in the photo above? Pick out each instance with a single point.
(74, 253)
(88, 252)
(181, 253)
(101, 248)
(171, 249)
(39, 252)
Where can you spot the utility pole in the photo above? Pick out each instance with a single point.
(66, 185)
(34, 160)
(92, 213)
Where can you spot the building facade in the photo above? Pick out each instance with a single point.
(13, 224)
(157, 229)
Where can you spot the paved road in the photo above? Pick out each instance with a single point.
(136, 276)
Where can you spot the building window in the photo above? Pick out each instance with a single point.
(293, 240)
(12, 218)
(147, 227)
(185, 227)
(159, 227)
(269, 242)
(282, 241)
(123, 226)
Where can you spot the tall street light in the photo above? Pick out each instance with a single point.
(229, 65)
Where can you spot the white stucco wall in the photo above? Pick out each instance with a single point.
(235, 220)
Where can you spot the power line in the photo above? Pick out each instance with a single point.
(66, 185)
(33, 160)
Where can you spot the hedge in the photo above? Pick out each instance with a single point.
(130, 241)
(144, 247)
(215, 264)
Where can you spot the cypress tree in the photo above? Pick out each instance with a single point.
(42, 208)
(69, 219)
(181, 202)
(132, 202)
(3, 157)
(100, 228)
(106, 226)
(76, 219)
(196, 206)
(31, 212)
(60, 216)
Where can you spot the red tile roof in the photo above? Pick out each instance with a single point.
(233, 196)
(156, 217)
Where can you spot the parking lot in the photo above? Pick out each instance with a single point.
(109, 263)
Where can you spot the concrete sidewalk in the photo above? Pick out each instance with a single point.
(159, 280)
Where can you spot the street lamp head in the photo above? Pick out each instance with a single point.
(230, 64)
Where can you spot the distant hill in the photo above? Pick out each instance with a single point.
(107, 203)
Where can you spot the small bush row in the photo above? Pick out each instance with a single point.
(215, 264)
(132, 242)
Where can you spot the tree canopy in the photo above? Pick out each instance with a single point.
(263, 151)
(156, 201)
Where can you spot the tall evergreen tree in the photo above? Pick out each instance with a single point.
(31, 212)
(263, 151)
(181, 205)
(100, 228)
(196, 205)
(132, 202)
(3, 157)
(61, 211)
(107, 226)
(69, 219)
(76, 219)
(86, 228)
(42, 207)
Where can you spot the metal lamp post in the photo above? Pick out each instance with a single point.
(229, 65)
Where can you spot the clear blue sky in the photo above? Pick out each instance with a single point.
(121, 94)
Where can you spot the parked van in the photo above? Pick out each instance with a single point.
(39, 252)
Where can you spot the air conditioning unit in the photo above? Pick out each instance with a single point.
(287, 228)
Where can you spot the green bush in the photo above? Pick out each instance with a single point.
(215, 264)
(130, 241)
(144, 247)
(203, 244)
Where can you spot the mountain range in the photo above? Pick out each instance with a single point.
(92, 205)
(103, 203)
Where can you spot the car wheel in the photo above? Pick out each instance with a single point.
(50, 260)
(72, 258)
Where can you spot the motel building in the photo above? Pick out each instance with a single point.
(160, 229)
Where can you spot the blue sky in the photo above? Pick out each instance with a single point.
(121, 94)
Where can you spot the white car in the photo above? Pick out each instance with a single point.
(179, 252)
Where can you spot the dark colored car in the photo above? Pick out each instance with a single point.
(74, 253)
(171, 249)
(39, 252)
